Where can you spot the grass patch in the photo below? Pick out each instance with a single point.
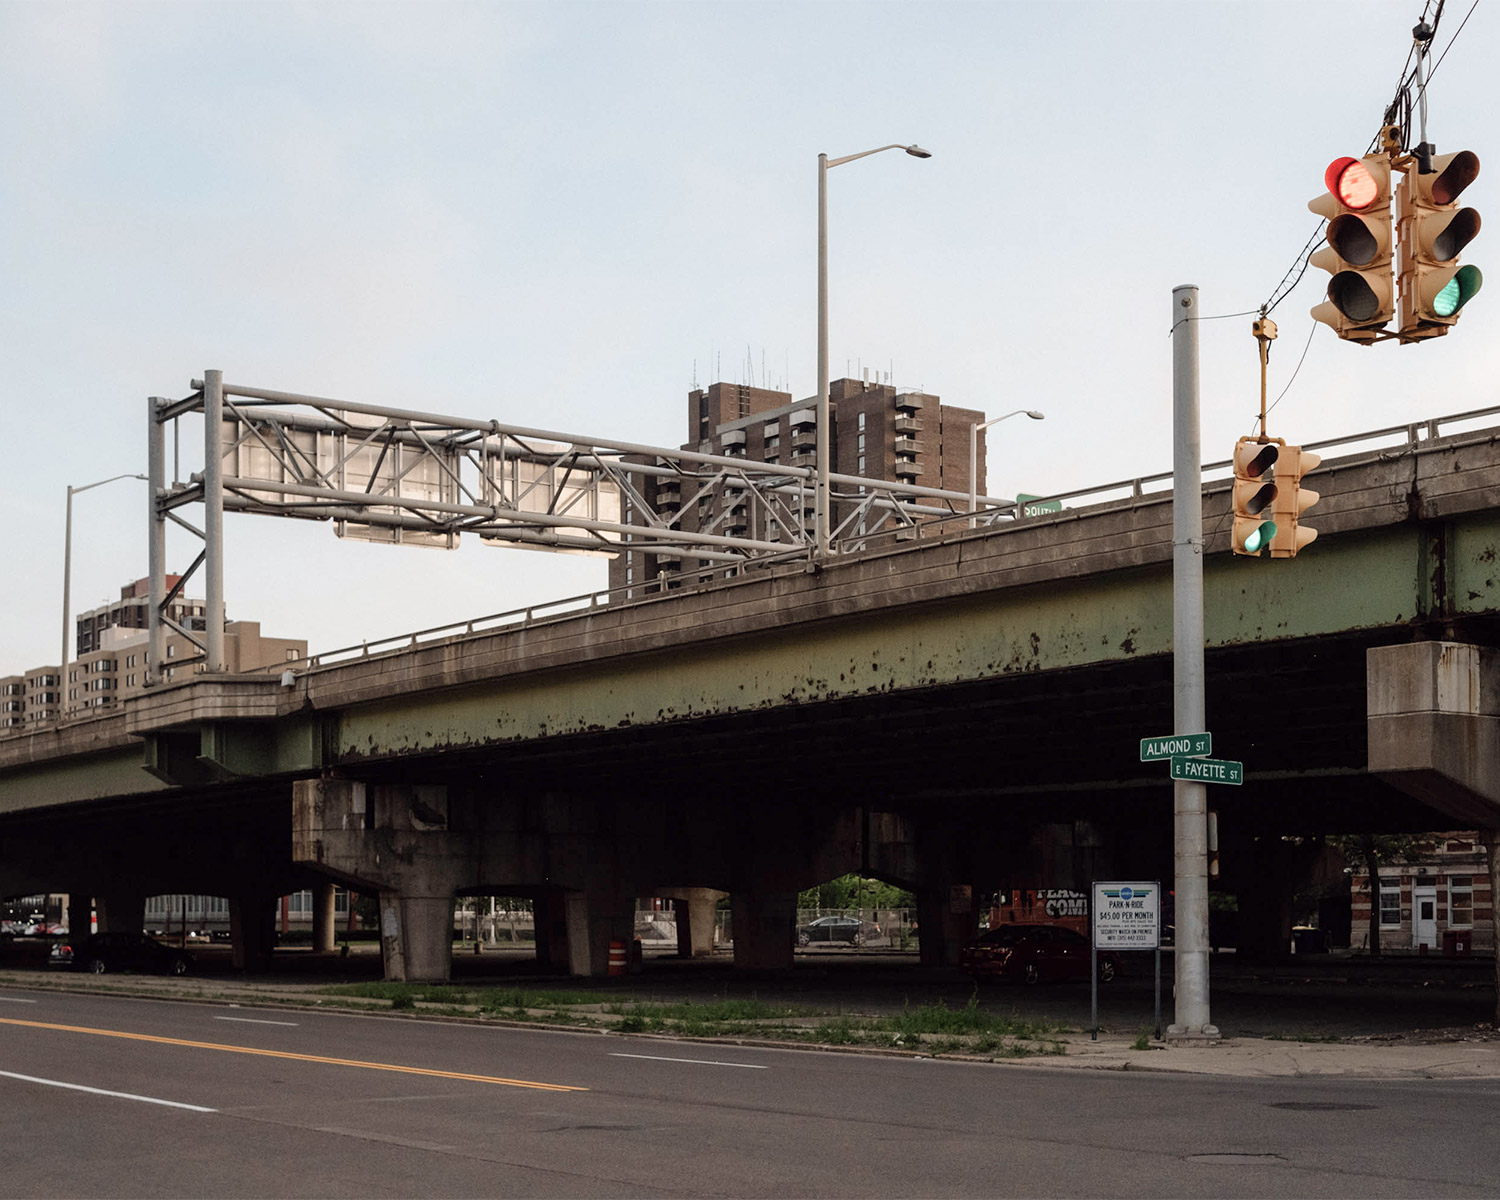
(518, 997)
(840, 1031)
(708, 1012)
(1142, 1042)
(970, 1020)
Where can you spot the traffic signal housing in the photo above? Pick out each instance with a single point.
(1255, 488)
(1292, 500)
(1357, 205)
(1433, 231)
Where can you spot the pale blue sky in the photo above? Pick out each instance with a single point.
(548, 213)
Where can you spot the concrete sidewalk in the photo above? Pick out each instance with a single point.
(1475, 1055)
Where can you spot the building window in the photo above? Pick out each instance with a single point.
(1460, 901)
(171, 651)
(1390, 903)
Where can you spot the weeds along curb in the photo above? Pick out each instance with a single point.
(382, 1008)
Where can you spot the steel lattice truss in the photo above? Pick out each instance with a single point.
(415, 478)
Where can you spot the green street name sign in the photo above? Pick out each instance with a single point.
(1183, 745)
(1031, 508)
(1208, 770)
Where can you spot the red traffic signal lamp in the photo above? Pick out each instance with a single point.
(1254, 498)
(1434, 231)
(1357, 206)
(1292, 500)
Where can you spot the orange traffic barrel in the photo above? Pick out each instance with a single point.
(617, 959)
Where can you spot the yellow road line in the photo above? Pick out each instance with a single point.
(310, 1058)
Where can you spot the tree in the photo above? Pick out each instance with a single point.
(1371, 849)
(855, 891)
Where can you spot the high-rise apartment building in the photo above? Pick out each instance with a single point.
(876, 432)
(131, 611)
(111, 659)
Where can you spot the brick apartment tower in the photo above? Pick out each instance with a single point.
(876, 433)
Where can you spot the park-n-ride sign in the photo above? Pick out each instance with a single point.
(1127, 915)
(1182, 745)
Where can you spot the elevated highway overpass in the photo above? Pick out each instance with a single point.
(918, 711)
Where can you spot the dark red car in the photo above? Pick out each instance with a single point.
(1034, 954)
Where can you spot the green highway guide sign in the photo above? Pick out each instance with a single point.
(1184, 745)
(1035, 506)
(1208, 770)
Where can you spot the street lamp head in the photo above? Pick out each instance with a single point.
(918, 152)
(1036, 416)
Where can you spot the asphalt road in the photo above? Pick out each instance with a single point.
(104, 1096)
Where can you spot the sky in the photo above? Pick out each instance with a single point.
(567, 215)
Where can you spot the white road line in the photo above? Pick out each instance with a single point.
(78, 1087)
(15, 1000)
(253, 1021)
(702, 1062)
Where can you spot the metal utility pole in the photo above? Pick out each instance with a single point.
(822, 518)
(213, 519)
(1189, 800)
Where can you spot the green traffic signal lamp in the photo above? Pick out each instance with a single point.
(1458, 291)
(1434, 232)
(1257, 539)
(1254, 495)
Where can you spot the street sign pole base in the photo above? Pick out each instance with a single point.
(1181, 1035)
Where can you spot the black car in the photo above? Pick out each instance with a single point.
(129, 952)
(833, 929)
(1034, 954)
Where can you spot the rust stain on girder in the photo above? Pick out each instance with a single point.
(978, 636)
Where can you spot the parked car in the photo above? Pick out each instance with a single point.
(833, 929)
(1034, 954)
(129, 952)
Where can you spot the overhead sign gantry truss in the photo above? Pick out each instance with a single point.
(407, 477)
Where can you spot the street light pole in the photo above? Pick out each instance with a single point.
(821, 511)
(974, 449)
(62, 676)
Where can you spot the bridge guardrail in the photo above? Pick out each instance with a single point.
(1402, 437)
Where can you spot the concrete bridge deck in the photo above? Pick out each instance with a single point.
(916, 711)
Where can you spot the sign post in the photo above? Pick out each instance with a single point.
(1124, 916)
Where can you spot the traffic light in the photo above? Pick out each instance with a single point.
(1357, 206)
(1292, 500)
(1254, 495)
(1434, 287)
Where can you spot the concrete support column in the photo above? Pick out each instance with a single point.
(695, 910)
(594, 919)
(946, 919)
(550, 923)
(323, 921)
(252, 930)
(416, 936)
(122, 910)
(697, 919)
(764, 928)
(80, 916)
(1265, 921)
